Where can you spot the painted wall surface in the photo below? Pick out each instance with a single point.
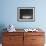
(8, 13)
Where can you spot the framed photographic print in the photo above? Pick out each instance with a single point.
(26, 14)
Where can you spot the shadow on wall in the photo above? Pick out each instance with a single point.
(2, 26)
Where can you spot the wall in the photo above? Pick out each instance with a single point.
(8, 13)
